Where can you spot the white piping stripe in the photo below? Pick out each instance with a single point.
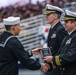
(3, 45)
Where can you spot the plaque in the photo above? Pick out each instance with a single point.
(46, 52)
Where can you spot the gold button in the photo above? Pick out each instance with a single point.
(60, 68)
(63, 68)
(60, 59)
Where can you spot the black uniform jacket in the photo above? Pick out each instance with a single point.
(11, 52)
(67, 55)
(55, 37)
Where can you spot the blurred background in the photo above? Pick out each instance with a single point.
(34, 28)
(30, 8)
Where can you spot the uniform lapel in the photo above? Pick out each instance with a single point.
(66, 39)
(52, 31)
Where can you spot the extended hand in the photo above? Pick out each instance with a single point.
(36, 51)
(48, 58)
(45, 67)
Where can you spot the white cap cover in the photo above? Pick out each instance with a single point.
(11, 20)
(52, 8)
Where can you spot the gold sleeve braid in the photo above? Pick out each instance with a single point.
(57, 60)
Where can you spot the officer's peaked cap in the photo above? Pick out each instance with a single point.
(52, 9)
(69, 15)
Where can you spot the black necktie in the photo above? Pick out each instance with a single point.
(50, 31)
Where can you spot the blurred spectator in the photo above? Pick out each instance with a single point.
(26, 10)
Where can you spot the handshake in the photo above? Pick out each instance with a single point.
(44, 67)
(48, 58)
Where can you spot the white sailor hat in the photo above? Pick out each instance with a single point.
(69, 15)
(52, 9)
(11, 20)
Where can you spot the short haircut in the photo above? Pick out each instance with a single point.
(8, 27)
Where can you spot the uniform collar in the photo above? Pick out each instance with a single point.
(54, 25)
(71, 32)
